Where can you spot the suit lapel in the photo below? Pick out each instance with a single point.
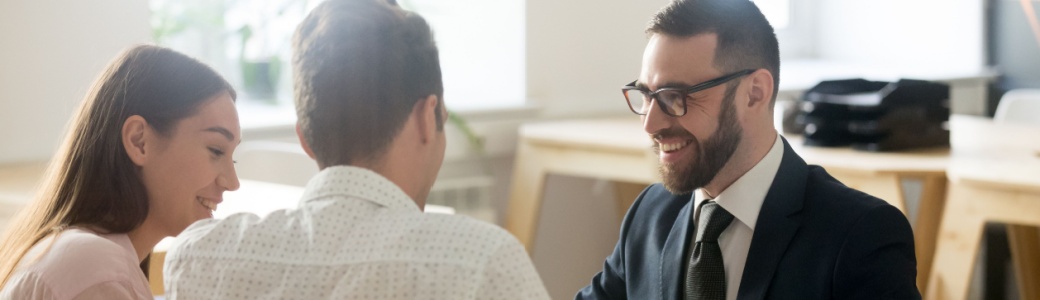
(778, 221)
(672, 255)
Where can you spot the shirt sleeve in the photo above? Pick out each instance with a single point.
(511, 275)
(113, 290)
(35, 289)
(25, 286)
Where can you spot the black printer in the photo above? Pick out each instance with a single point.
(876, 115)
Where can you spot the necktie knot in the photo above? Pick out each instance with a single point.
(712, 221)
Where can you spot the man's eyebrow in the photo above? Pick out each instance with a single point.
(674, 85)
(670, 84)
(222, 131)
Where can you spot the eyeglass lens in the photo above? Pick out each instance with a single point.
(641, 103)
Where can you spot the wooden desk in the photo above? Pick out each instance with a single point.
(619, 150)
(257, 197)
(611, 149)
(17, 184)
(994, 176)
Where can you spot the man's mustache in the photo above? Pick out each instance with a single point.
(670, 133)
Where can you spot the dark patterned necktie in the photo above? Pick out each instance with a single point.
(705, 275)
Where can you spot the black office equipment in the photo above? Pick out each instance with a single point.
(876, 115)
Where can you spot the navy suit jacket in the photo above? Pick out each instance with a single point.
(815, 238)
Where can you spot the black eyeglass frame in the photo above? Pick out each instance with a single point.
(684, 91)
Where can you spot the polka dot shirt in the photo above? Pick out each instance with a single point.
(355, 235)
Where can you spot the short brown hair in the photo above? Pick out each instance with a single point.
(745, 38)
(360, 67)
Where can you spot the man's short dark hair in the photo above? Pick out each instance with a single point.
(360, 66)
(745, 38)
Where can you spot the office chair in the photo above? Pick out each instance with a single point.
(1019, 106)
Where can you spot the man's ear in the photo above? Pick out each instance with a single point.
(303, 141)
(135, 135)
(761, 91)
(426, 112)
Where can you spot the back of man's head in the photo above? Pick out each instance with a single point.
(360, 66)
(745, 38)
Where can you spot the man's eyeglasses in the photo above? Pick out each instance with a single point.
(671, 100)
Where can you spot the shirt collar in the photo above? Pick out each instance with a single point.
(743, 199)
(361, 183)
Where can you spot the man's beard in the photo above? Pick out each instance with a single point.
(711, 156)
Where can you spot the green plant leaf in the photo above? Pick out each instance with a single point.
(475, 141)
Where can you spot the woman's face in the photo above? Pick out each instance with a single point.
(189, 169)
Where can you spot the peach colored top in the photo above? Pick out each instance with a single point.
(79, 264)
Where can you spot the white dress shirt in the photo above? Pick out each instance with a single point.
(743, 199)
(355, 235)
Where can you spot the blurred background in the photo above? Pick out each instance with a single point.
(506, 63)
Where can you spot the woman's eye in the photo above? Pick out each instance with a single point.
(216, 151)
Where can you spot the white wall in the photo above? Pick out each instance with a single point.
(580, 53)
(51, 52)
(936, 34)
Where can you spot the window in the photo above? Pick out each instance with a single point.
(481, 45)
(794, 22)
(247, 41)
(778, 12)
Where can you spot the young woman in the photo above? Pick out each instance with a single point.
(148, 153)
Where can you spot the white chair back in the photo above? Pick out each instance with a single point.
(1020, 106)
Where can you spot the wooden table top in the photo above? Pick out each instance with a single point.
(262, 198)
(614, 134)
(18, 183)
(995, 154)
(626, 135)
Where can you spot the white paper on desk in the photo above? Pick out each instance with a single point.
(860, 99)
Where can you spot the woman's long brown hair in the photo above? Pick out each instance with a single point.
(91, 180)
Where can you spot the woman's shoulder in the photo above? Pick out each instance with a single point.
(77, 248)
(75, 260)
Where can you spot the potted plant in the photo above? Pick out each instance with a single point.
(260, 73)
(263, 29)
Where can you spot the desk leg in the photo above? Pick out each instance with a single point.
(1025, 253)
(885, 186)
(155, 271)
(526, 195)
(958, 244)
(926, 229)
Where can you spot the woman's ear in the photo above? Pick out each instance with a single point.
(134, 135)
